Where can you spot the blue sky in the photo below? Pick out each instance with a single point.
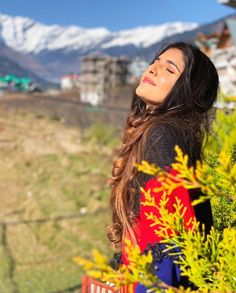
(116, 14)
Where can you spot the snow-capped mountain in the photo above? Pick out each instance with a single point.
(148, 35)
(51, 51)
(25, 35)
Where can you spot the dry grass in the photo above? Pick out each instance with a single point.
(47, 172)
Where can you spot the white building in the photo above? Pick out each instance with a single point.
(99, 75)
(70, 81)
(225, 62)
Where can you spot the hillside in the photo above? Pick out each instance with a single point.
(53, 183)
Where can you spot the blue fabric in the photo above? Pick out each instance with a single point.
(167, 271)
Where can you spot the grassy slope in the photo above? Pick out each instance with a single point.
(48, 171)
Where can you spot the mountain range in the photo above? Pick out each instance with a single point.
(46, 52)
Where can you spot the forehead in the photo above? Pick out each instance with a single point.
(175, 55)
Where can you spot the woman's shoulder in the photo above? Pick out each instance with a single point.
(161, 141)
(165, 131)
(166, 136)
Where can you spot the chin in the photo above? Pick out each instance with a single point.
(138, 90)
(140, 93)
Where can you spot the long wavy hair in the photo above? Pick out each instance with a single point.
(187, 107)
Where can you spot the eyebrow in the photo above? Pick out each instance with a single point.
(171, 62)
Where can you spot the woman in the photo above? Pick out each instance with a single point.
(171, 107)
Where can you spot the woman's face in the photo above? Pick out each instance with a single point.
(159, 78)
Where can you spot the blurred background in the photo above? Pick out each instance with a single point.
(68, 70)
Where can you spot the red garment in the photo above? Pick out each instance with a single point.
(146, 234)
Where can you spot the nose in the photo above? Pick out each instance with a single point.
(153, 69)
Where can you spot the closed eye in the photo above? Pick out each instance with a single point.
(172, 72)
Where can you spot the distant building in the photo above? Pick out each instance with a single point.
(225, 62)
(224, 38)
(220, 46)
(70, 81)
(13, 83)
(99, 74)
(137, 67)
(231, 3)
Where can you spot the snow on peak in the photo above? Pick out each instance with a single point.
(148, 35)
(25, 35)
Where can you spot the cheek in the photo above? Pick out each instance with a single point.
(167, 83)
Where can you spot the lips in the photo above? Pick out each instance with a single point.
(148, 80)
